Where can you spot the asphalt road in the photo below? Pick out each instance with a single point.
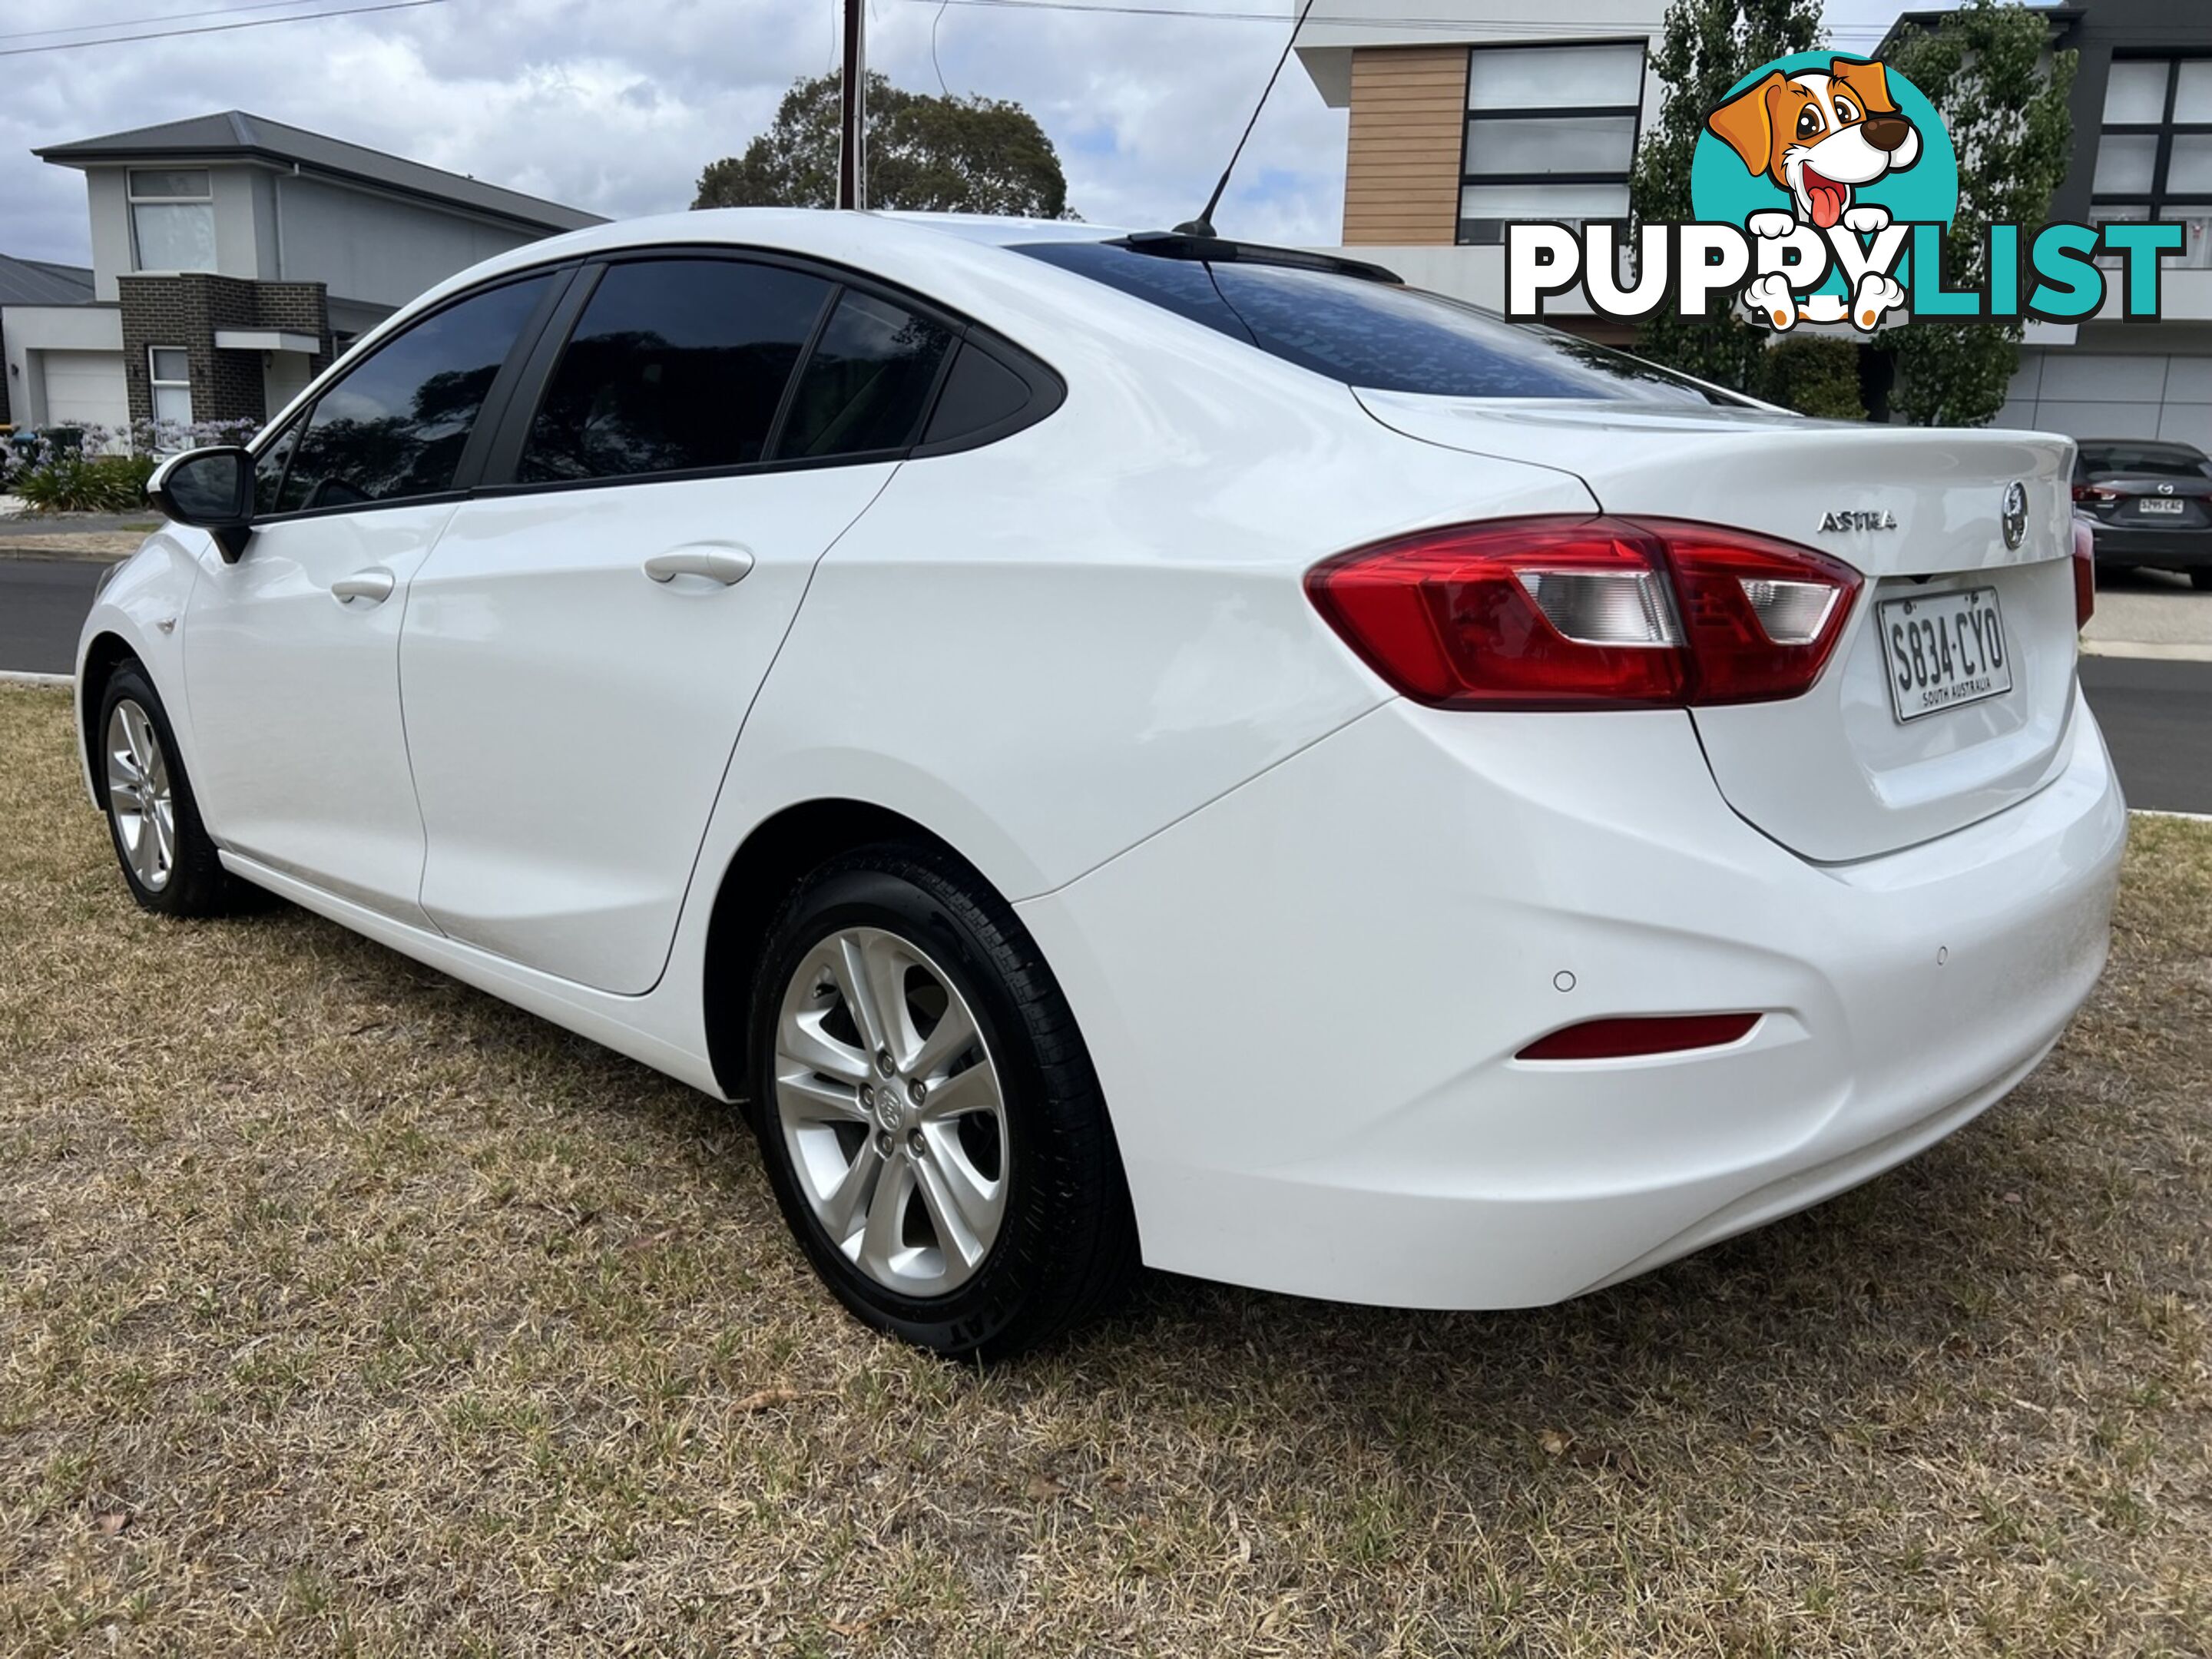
(2157, 716)
(42, 603)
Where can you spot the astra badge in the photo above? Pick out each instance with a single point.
(1882, 519)
(2015, 513)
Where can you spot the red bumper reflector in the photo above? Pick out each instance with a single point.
(1620, 1039)
(2085, 573)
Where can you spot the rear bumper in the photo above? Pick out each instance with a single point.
(1304, 1001)
(2169, 549)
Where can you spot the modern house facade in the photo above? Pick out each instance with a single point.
(1466, 114)
(2143, 150)
(232, 258)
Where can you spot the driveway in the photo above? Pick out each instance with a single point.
(2149, 613)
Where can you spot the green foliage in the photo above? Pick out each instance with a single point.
(1983, 69)
(1815, 375)
(70, 481)
(939, 155)
(1709, 45)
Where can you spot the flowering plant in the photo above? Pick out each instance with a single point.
(94, 469)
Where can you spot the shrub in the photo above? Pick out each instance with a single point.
(1815, 375)
(94, 469)
(70, 481)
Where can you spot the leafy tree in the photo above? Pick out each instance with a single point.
(941, 154)
(1708, 46)
(1815, 375)
(1982, 69)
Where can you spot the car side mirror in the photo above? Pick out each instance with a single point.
(211, 488)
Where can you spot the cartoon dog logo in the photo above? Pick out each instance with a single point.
(1820, 137)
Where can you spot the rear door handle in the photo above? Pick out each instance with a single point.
(373, 584)
(726, 565)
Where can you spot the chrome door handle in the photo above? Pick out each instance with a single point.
(726, 565)
(373, 584)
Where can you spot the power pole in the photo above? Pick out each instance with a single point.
(852, 155)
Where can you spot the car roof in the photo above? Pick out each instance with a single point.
(898, 246)
(962, 262)
(999, 230)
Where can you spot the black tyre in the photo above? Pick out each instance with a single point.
(2201, 579)
(928, 1112)
(167, 859)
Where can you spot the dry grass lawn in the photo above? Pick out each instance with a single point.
(343, 1309)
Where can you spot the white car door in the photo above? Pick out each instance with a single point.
(582, 647)
(292, 653)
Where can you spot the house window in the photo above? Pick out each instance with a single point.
(1551, 133)
(172, 219)
(170, 371)
(2154, 150)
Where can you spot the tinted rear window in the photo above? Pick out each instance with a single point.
(2143, 460)
(1373, 334)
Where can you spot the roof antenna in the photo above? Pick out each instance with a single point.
(1203, 225)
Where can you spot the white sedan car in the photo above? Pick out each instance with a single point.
(1130, 747)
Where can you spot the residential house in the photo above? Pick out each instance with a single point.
(38, 284)
(1468, 114)
(2143, 150)
(232, 257)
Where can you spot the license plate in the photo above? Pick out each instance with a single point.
(2157, 504)
(1943, 650)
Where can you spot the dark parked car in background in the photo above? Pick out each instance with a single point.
(2150, 503)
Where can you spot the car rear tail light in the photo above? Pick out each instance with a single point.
(1579, 613)
(2092, 492)
(1626, 1038)
(2085, 573)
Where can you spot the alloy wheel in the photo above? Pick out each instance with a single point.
(891, 1107)
(138, 795)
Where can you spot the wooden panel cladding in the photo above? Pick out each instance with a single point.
(1403, 163)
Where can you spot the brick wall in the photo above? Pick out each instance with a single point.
(186, 311)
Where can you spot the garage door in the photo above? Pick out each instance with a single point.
(2111, 394)
(85, 388)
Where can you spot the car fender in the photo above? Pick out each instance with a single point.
(1046, 650)
(143, 602)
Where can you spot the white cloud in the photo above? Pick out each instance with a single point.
(616, 107)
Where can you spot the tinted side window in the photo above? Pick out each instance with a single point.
(866, 382)
(1373, 334)
(268, 467)
(395, 427)
(980, 393)
(676, 364)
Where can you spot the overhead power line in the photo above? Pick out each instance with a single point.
(164, 17)
(1527, 27)
(219, 28)
(1531, 30)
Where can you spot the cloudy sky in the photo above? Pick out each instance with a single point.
(616, 105)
